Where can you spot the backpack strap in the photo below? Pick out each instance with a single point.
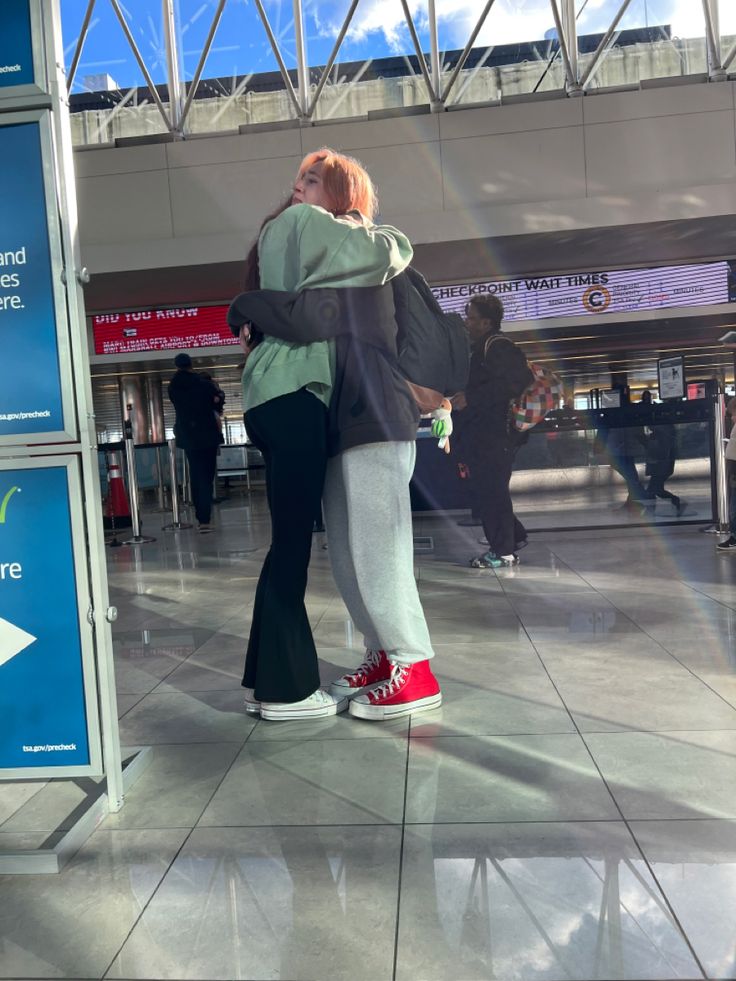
(498, 336)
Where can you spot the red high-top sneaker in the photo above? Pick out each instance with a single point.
(375, 668)
(411, 688)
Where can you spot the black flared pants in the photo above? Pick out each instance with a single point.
(291, 433)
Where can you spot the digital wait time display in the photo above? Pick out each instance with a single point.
(532, 298)
(584, 294)
(182, 328)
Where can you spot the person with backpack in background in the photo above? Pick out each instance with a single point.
(197, 433)
(499, 373)
(371, 422)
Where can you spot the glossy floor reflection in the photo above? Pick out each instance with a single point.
(569, 812)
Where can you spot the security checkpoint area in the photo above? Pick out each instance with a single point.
(569, 811)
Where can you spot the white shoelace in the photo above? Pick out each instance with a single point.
(399, 674)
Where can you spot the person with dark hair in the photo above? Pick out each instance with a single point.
(498, 374)
(660, 453)
(196, 432)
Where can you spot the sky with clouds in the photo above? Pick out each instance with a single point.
(511, 21)
(378, 29)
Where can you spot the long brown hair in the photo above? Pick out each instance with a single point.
(252, 280)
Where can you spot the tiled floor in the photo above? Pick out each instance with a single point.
(569, 813)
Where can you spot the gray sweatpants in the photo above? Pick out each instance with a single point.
(371, 548)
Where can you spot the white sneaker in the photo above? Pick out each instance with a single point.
(318, 705)
(252, 706)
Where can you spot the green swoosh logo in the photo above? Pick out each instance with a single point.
(4, 505)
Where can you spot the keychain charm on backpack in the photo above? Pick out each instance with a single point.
(442, 425)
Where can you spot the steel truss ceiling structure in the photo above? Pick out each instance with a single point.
(441, 86)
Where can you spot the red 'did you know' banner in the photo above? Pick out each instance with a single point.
(161, 330)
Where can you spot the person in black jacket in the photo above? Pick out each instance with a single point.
(197, 432)
(498, 374)
(371, 432)
(660, 448)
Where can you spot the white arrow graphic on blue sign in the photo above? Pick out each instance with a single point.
(13, 640)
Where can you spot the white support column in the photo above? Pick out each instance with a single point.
(716, 69)
(434, 54)
(570, 32)
(102, 613)
(301, 58)
(176, 95)
(572, 84)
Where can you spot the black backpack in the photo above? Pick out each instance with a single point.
(433, 346)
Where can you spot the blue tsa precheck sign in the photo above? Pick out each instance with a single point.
(36, 390)
(48, 714)
(16, 44)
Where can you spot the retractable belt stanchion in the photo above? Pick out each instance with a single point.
(114, 541)
(161, 487)
(137, 538)
(186, 485)
(721, 524)
(176, 523)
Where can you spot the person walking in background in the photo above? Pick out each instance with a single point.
(660, 453)
(197, 433)
(498, 374)
(372, 420)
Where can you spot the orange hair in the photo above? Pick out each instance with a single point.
(345, 181)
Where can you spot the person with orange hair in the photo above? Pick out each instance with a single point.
(326, 300)
(287, 389)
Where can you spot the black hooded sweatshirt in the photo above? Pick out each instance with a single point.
(371, 401)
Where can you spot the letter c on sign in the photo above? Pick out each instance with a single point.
(596, 299)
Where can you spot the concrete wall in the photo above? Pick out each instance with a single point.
(606, 160)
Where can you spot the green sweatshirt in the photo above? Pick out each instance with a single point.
(302, 248)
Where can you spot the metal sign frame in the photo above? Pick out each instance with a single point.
(76, 446)
(677, 361)
(68, 432)
(94, 768)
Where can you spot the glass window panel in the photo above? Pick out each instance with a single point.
(653, 39)
(106, 50)
(376, 67)
(727, 19)
(515, 51)
(241, 82)
(110, 99)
